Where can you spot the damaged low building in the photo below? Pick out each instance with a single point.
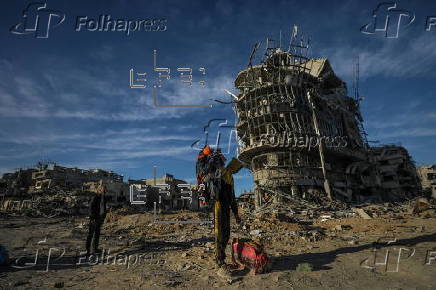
(16, 183)
(396, 172)
(54, 175)
(427, 176)
(300, 132)
(245, 200)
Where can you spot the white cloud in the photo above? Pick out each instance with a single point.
(415, 57)
(410, 132)
(92, 96)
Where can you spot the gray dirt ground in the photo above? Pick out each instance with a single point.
(181, 255)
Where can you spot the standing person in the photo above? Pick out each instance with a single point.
(219, 187)
(97, 214)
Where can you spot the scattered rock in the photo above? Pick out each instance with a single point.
(180, 267)
(255, 232)
(20, 283)
(420, 205)
(339, 228)
(362, 213)
(171, 283)
(276, 278)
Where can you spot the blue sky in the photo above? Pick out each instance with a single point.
(67, 98)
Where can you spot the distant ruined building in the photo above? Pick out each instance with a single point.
(301, 133)
(427, 176)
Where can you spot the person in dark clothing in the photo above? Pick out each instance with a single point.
(219, 188)
(97, 214)
(223, 203)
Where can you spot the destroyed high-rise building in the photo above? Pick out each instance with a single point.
(299, 130)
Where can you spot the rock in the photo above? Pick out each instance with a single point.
(362, 213)
(171, 283)
(59, 285)
(420, 205)
(20, 283)
(420, 229)
(206, 278)
(339, 228)
(293, 233)
(255, 232)
(184, 255)
(325, 217)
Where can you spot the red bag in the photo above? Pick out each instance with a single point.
(250, 254)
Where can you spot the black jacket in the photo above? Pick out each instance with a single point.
(97, 208)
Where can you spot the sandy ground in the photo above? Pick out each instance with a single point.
(390, 251)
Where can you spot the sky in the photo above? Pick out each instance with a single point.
(65, 93)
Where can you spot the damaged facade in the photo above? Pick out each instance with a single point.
(427, 176)
(55, 175)
(16, 183)
(299, 131)
(396, 172)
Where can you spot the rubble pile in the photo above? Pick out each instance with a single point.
(53, 202)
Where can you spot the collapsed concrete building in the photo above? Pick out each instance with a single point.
(299, 131)
(16, 183)
(427, 176)
(50, 179)
(55, 175)
(396, 172)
